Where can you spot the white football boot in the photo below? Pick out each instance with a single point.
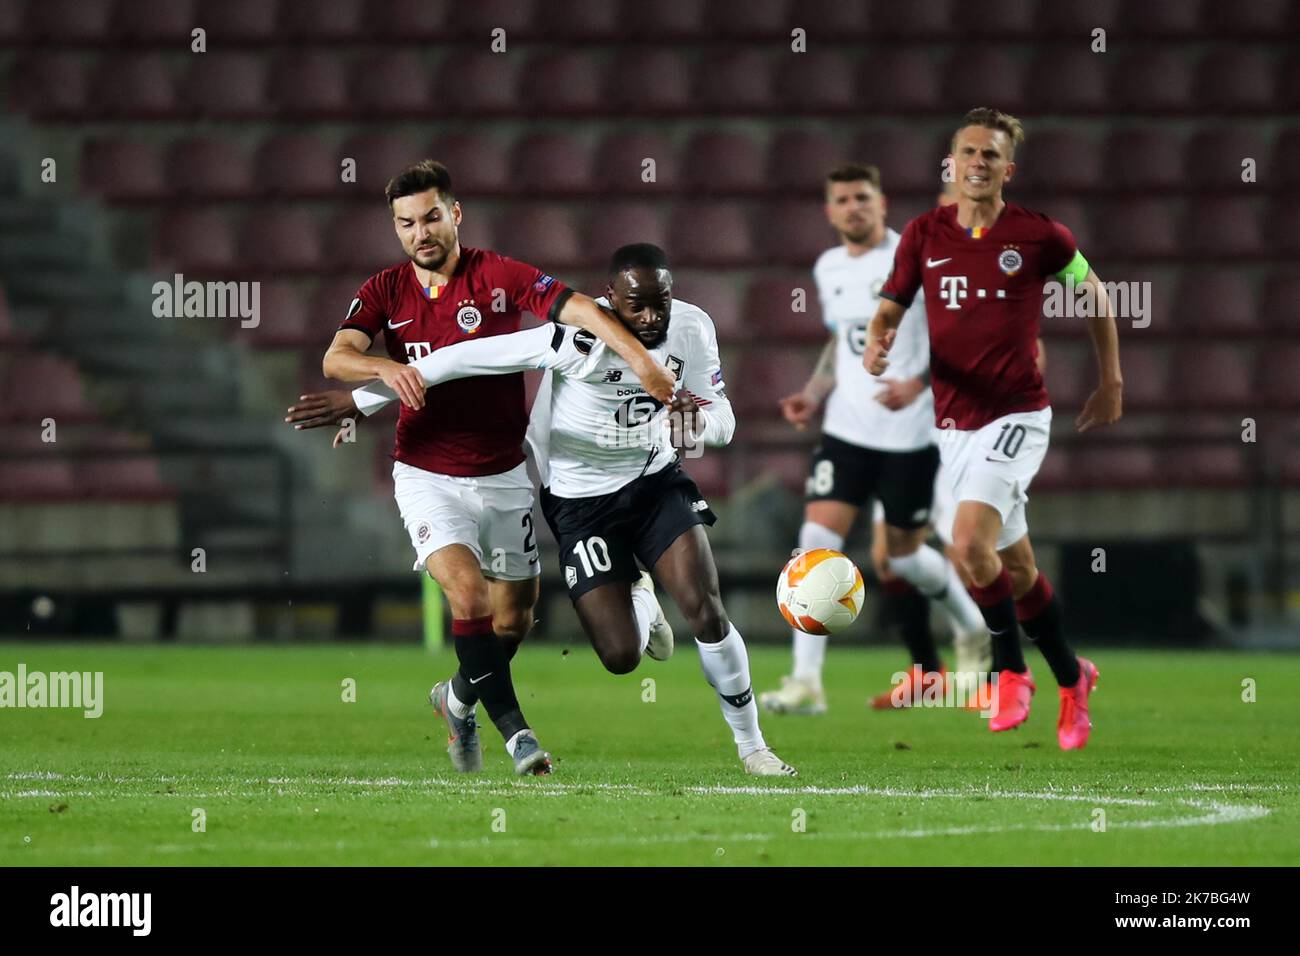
(795, 697)
(661, 632)
(764, 763)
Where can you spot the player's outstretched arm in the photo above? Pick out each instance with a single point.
(583, 312)
(1105, 405)
(800, 407)
(880, 336)
(346, 361)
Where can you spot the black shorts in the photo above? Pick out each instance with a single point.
(602, 537)
(902, 480)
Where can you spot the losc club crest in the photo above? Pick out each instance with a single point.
(422, 532)
(468, 317)
(1010, 261)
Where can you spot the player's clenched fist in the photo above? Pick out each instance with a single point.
(406, 382)
(799, 409)
(874, 359)
(658, 381)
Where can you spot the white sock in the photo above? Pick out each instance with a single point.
(726, 668)
(454, 704)
(810, 649)
(934, 576)
(644, 612)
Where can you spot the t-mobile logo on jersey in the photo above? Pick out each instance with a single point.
(417, 350)
(952, 289)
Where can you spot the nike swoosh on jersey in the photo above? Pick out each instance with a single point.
(931, 263)
(398, 325)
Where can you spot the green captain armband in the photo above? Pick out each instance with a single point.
(1077, 267)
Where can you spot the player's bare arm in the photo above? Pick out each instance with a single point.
(583, 312)
(800, 407)
(1105, 404)
(880, 336)
(346, 361)
(318, 409)
(901, 392)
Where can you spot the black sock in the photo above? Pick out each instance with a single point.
(999, 612)
(485, 662)
(466, 692)
(912, 610)
(1043, 620)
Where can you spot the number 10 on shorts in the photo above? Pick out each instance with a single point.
(594, 555)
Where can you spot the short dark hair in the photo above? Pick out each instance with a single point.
(425, 175)
(638, 255)
(854, 173)
(993, 119)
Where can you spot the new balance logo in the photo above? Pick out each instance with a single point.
(614, 375)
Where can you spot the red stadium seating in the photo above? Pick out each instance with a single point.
(545, 236)
(1105, 465)
(478, 163)
(1136, 228)
(1220, 228)
(309, 84)
(132, 85)
(48, 84)
(1154, 81)
(1266, 18)
(1219, 301)
(44, 386)
(329, 304)
(288, 239)
(68, 21)
(1144, 158)
(655, 82)
(620, 163)
(899, 81)
(592, 20)
(793, 232)
(1285, 164)
(1059, 160)
(617, 224)
(717, 295)
(1214, 376)
(152, 21)
(11, 20)
(134, 477)
(1071, 374)
(734, 82)
(1289, 81)
(562, 83)
(1280, 302)
(1077, 20)
(209, 169)
(300, 164)
(769, 309)
(1284, 227)
(333, 21)
(379, 157)
(1280, 375)
(816, 81)
(667, 19)
(239, 21)
(190, 240)
(475, 83)
(1071, 213)
(1146, 374)
(1067, 81)
(711, 472)
(477, 229)
(800, 159)
(722, 162)
(361, 239)
(227, 85)
(27, 479)
(283, 316)
(985, 75)
(122, 170)
(1000, 19)
(1236, 79)
(1160, 18)
(710, 234)
(914, 20)
(745, 18)
(778, 373)
(907, 160)
(391, 83)
(1214, 158)
(1199, 465)
(551, 162)
(480, 18)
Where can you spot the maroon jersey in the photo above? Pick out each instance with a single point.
(471, 426)
(983, 301)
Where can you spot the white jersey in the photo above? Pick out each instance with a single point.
(594, 428)
(849, 289)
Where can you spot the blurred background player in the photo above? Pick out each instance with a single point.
(877, 442)
(459, 476)
(982, 263)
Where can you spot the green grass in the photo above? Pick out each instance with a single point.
(287, 773)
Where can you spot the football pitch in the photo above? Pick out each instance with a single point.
(253, 756)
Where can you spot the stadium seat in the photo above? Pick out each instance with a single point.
(126, 477)
(68, 21)
(756, 19)
(122, 170)
(899, 81)
(329, 304)
(480, 18)
(1056, 160)
(1284, 167)
(28, 479)
(44, 386)
(1072, 214)
(336, 20)
(1234, 228)
(984, 75)
(781, 372)
(1067, 81)
(734, 82)
(283, 316)
(711, 472)
(814, 81)
(239, 21)
(478, 163)
(1077, 20)
(710, 234)
(478, 228)
(1153, 81)
(288, 239)
(11, 20)
(1071, 373)
(799, 160)
(716, 294)
(908, 161)
(1056, 472)
(475, 83)
(542, 235)
(309, 85)
(138, 86)
(562, 83)
(209, 168)
(1280, 375)
(1160, 18)
(1289, 81)
(770, 315)
(1217, 302)
(1203, 464)
(1236, 79)
(1104, 465)
(190, 240)
(1137, 228)
(793, 232)
(665, 20)
(656, 82)
(379, 157)
(1146, 375)
(1284, 228)
(299, 164)
(588, 20)
(551, 162)
(361, 239)
(620, 163)
(614, 224)
(392, 83)
(1212, 376)
(1002, 19)
(1144, 158)
(724, 162)
(1214, 158)
(48, 85)
(150, 21)
(1280, 302)
(227, 86)
(913, 20)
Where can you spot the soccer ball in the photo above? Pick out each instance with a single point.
(820, 591)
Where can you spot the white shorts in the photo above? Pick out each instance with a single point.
(943, 510)
(491, 515)
(995, 465)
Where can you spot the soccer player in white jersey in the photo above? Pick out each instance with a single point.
(877, 442)
(613, 489)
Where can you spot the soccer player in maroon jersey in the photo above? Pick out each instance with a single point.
(982, 263)
(459, 477)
